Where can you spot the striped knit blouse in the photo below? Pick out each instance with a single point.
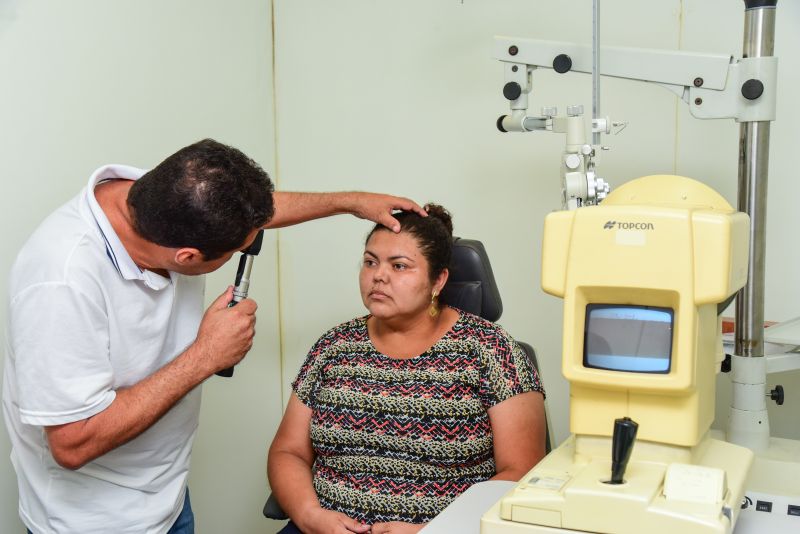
(399, 439)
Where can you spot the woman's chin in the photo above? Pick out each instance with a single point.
(380, 311)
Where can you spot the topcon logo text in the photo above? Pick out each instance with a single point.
(625, 225)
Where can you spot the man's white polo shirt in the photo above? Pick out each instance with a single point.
(84, 321)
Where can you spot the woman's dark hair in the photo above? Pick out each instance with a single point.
(207, 196)
(433, 233)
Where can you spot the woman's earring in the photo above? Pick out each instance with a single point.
(433, 311)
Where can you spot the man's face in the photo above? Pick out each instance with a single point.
(198, 265)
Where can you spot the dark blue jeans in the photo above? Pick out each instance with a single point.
(185, 522)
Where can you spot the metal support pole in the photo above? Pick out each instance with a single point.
(759, 41)
(749, 424)
(595, 67)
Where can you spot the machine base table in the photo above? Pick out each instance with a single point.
(464, 514)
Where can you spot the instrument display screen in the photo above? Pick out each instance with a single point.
(636, 339)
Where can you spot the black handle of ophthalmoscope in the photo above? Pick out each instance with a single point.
(252, 250)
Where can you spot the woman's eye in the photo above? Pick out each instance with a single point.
(399, 266)
(369, 263)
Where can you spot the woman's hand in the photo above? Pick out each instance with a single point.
(322, 521)
(396, 527)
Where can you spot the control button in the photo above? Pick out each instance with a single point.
(562, 63)
(764, 506)
(549, 111)
(752, 89)
(793, 509)
(575, 111)
(512, 91)
(572, 161)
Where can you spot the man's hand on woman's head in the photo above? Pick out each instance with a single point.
(396, 527)
(378, 208)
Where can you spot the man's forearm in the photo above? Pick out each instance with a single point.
(295, 208)
(134, 410)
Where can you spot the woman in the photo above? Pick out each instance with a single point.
(395, 414)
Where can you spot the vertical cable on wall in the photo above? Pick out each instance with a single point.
(678, 103)
(276, 144)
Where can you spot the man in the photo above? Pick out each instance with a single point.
(107, 338)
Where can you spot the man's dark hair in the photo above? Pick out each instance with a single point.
(207, 196)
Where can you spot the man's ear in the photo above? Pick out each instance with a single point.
(188, 256)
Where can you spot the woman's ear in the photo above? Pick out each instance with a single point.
(440, 281)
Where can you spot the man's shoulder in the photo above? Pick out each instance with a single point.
(64, 249)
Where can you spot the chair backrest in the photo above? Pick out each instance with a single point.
(471, 286)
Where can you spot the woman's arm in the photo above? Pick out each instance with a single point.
(518, 428)
(289, 470)
(294, 208)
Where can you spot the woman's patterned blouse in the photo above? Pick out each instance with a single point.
(399, 439)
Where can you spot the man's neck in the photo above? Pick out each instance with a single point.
(112, 197)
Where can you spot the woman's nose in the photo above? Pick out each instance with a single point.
(380, 273)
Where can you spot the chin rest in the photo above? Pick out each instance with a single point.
(470, 287)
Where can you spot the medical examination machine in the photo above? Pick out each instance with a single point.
(642, 276)
(645, 272)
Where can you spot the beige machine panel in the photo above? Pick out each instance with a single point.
(642, 276)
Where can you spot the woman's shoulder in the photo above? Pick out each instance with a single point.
(482, 333)
(469, 324)
(353, 330)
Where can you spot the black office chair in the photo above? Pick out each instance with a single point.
(470, 287)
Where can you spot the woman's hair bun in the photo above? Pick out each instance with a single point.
(437, 211)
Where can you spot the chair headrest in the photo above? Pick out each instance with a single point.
(471, 286)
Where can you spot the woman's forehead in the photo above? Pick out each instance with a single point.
(386, 241)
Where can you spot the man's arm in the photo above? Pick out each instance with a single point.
(294, 208)
(224, 337)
